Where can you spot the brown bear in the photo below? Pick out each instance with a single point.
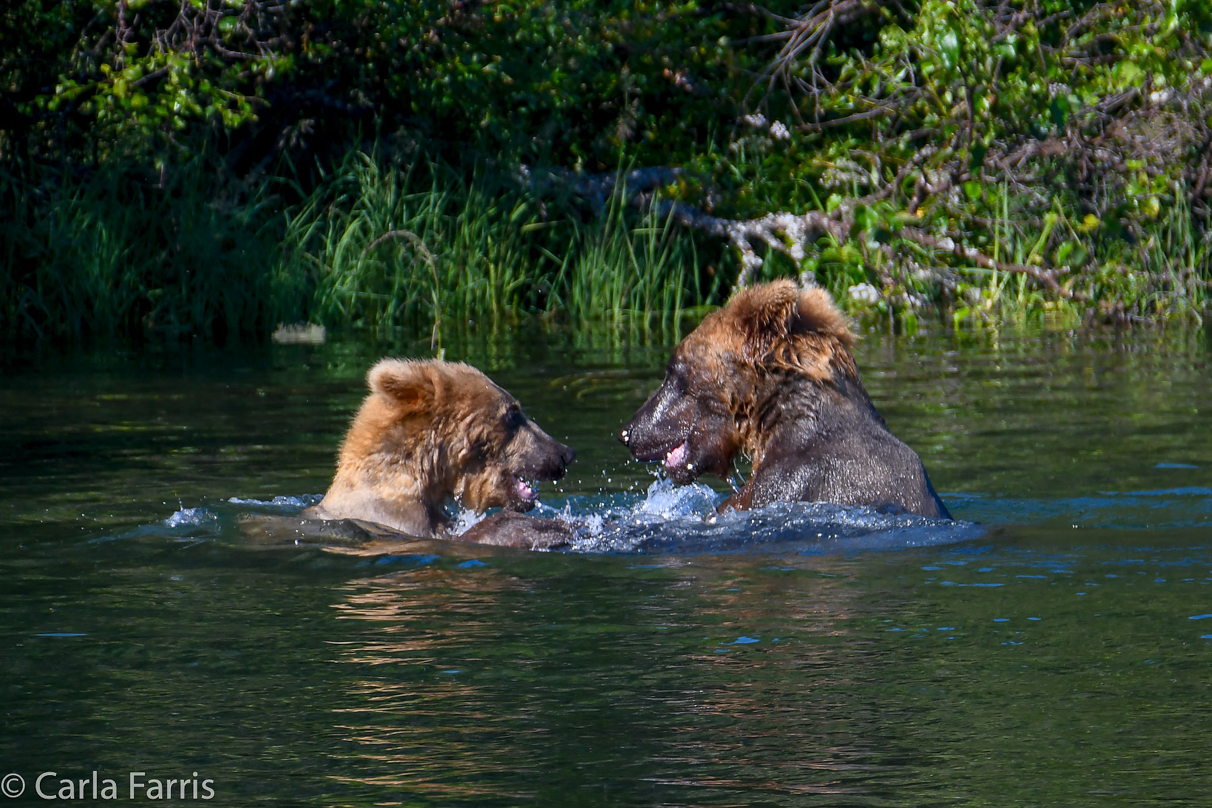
(771, 375)
(429, 430)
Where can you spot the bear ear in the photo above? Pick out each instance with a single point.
(764, 315)
(815, 312)
(410, 385)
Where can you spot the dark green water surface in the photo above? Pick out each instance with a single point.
(1060, 653)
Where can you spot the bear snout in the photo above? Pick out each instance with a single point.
(655, 429)
(542, 456)
(682, 432)
(558, 461)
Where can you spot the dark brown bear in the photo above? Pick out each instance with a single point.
(771, 375)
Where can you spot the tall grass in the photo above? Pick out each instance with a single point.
(995, 296)
(381, 248)
(1176, 255)
(384, 246)
(620, 272)
(116, 255)
(1160, 268)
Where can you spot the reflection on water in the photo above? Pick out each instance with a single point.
(567, 677)
(1051, 648)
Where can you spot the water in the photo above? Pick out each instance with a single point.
(1051, 647)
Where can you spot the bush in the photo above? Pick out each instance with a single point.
(985, 160)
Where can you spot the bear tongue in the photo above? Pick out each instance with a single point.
(676, 457)
(525, 492)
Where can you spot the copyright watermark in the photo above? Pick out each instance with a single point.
(135, 786)
(13, 785)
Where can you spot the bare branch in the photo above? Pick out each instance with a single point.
(1048, 277)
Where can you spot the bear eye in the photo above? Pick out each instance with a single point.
(676, 375)
(513, 416)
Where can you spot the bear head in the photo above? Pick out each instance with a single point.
(429, 430)
(722, 385)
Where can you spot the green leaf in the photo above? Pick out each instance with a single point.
(977, 157)
(892, 38)
(864, 218)
(1058, 110)
(949, 45)
(1128, 74)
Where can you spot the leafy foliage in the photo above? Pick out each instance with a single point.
(986, 158)
(576, 81)
(1056, 138)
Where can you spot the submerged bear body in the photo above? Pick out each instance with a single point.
(771, 376)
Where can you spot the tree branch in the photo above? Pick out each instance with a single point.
(1048, 277)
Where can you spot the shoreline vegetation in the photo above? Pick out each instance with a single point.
(215, 168)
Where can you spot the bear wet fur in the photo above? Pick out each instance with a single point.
(771, 375)
(431, 430)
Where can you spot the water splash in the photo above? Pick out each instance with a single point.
(191, 517)
(666, 518)
(672, 519)
(464, 520)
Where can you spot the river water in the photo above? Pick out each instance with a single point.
(1053, 646)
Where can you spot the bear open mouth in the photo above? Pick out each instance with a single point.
(677, 457)
(679, 466)
(524, 489)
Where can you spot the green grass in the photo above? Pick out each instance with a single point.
(112, 255)
(1160, 270)
(120, 256)
(117, 255)
(386, 246)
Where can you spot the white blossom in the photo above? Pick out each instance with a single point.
(864, 293)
